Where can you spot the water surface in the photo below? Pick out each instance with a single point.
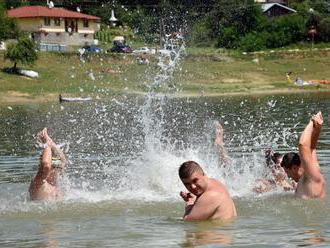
(122, 184)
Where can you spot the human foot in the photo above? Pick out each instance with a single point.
(44, 139)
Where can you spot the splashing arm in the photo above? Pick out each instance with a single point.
(220, 145)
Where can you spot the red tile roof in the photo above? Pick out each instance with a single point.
(41, 11)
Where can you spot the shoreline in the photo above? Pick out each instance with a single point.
(19, 98)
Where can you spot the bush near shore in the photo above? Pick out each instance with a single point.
(202, 72)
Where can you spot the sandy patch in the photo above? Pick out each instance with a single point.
(16, 97)
(232, 80)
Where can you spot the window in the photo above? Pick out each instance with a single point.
(47, 21)
(86, 23)
(57, 22)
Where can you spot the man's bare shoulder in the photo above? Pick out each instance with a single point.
(309, 188)
(216, 190)
(216, 185)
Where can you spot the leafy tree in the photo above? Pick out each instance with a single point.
(320, 6)
(15, 3)
(324, 29)
(201, 33)
(8, 28)
(146, 24)
(290, 28)
(23, 51)
(236, 19)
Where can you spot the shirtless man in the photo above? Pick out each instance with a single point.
(279, 177)
(304, 167)
(207, 199)
(44, 186)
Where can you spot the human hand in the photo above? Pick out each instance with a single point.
(317, 120)
(188, 197)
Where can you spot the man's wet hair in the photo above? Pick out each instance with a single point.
(188, 168)
(272, 157)
(290, 159)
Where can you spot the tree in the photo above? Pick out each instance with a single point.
(8, 28)
(23, 51)
(324, 29)
(200, 34)
(15, 3)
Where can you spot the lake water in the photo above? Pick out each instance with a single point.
(122, 188)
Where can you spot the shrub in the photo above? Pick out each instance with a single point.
(200, 33)
(277, 39)
(324, 29)
(228, 37)
(253, 42)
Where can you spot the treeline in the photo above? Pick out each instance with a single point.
(234, 24)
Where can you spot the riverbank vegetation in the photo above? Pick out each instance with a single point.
(227, 24)
(232, 48)
(212, 72)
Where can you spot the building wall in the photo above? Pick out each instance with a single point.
(93, 27)
(67, 39)
(30, 24)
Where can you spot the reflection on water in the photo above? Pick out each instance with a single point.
(206, 234)
(206, 238)
(123, 185)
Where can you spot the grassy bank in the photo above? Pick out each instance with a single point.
(203, 71)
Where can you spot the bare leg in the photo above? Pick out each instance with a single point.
(44, 170)
(57, 152)
(44, 185)
(220, 145)
(307, 146)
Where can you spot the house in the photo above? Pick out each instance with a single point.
(56, 28)
(276, 9)
(272, 8)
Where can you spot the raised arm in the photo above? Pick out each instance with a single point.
(307, 147)
(220, 145)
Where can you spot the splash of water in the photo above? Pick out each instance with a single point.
(147, 170)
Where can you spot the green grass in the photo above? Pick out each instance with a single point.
(207, 70)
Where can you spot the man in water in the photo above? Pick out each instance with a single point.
(304, 167)
(44, 186)
(279, 178)
(278, 175)
(208, 199)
